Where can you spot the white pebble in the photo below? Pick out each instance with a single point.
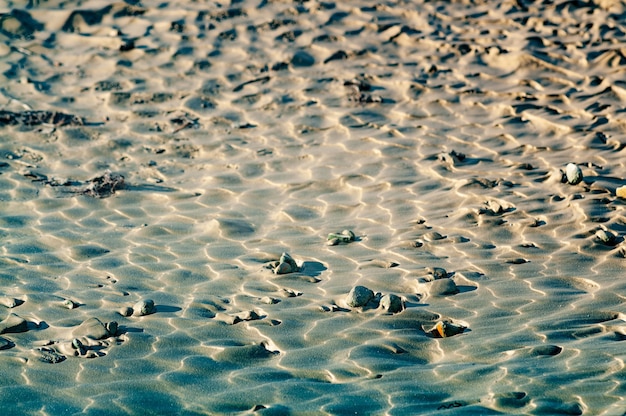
(573, 173)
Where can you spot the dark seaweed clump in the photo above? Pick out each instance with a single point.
(33, 118)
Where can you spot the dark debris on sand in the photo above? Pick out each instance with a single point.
(35, 118)
(101, 186)
(104, 186)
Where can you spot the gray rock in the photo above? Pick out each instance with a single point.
(126, 311)
(302, 59)
(286, 258)
(144, 307)
(13, 324)
(285, 265)
(359, 296)
(111, 328)
(92, 328)
(443, 287)
(392, 303)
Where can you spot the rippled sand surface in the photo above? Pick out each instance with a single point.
(171, 151)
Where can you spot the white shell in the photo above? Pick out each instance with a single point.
(573, 173)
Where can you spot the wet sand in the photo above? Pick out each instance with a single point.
(158, 158)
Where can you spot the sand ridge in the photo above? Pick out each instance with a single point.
(173, 151)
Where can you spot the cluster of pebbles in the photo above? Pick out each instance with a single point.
(286, 264)
(90, 339)
(362, 298)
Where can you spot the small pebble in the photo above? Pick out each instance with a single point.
(606, 237)
(433, 236)
(92, 328)
(69, 304)
(111, 328)
(249, 316)
(438, 273)
(283, 268)
(286, 258)
(359, 296)
(573, 174)
(621, 192)
(392, 303)
(144, 307)
(269, 300)
(444, 329)
(345, 237)
(443, 287)
(126, 311)
(285, 265)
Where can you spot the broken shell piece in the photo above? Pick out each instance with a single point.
(69, 304)
(621, 191)
(573, 174)
(392, 303)
(445, 329)
(606, 237)
(144, 307)
(359, 296)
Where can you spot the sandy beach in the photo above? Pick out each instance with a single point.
(304, 207)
